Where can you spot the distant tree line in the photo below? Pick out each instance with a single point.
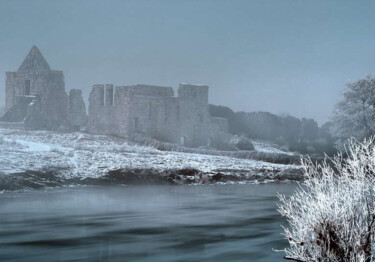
(354, 117)
(301, 135)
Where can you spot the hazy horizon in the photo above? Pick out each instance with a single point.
(284, 57)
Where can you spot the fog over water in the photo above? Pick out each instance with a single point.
(153, 223)
(279, 56)
(136, 174)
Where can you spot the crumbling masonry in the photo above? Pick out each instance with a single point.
(35, 96)
(154, 111)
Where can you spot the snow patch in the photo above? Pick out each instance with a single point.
(88, 155)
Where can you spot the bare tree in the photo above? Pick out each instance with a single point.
(331, 216)
(354, 115)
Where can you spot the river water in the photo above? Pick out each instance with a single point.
(143, 223)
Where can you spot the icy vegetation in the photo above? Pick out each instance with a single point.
(262, 146)
(332, 215)
(82, 156)
(354, 114)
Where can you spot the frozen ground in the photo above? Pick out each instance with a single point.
(87, 155)
(263, 146)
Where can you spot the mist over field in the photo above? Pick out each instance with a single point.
(283, 57)
(191, 130)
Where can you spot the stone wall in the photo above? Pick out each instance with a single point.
(12, 125)
(35, 78)
(219, 124)
(10, 90)
(77, 109)
(34, 118)
(49, 85)
(193, 115)
(152, 111)
(219, 132)
(148, 110)
(17, 113)
(102, 116)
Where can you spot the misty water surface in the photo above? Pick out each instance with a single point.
(150, 223)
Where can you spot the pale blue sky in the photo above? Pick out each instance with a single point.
(282, 56)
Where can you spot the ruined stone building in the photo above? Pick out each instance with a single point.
(35, 95)
(36, 98)
(154, 111)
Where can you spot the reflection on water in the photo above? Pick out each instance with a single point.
(151, 223)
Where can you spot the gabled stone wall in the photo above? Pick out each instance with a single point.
(35, 78)
(49, 85)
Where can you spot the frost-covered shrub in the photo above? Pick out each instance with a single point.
(242, 143)
(84, 147)
(223, 145)
(57, 150)
(332, 215)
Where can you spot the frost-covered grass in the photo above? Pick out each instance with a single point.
(264, 152)
(332, 215)
(265, 147)
(89, 155)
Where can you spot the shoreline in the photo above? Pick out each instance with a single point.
(40, 159)
(49, 178)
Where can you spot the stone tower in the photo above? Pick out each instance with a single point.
(36, 94)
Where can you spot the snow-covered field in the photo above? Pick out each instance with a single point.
(87, 155)
(269, 148)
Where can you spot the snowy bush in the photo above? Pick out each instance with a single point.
(56, 149)
(331, 216)
(241, 143)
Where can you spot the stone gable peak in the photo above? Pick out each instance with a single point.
(34, 61)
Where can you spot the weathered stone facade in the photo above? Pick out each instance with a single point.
(36, 97)
(35, 94)
(77, 109)
(155, 112)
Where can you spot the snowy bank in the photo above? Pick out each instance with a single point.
(79, 156)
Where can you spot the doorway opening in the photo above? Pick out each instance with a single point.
(27, 87)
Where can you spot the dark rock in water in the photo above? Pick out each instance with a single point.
(291, 174)
(194, 176)
(217, 177)
(187, 171)
(134, 177)
(55, 177)
(47, 177)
